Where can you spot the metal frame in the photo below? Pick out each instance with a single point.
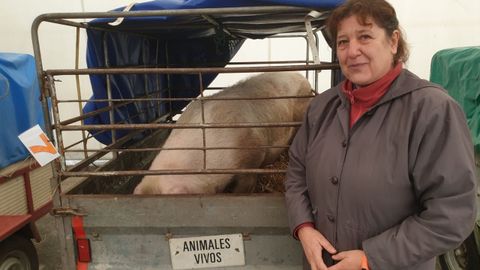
(98, 207)
(48, 87)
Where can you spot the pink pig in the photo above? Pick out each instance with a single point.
(230, 111)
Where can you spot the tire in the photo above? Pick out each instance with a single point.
(18, 253)
(464, 257)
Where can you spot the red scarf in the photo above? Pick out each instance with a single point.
(362, 99)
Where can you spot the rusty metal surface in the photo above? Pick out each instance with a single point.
(199, 11)
(325, 66)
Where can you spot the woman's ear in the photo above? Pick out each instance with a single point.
(394, 41)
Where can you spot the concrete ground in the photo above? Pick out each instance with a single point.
(48, 249)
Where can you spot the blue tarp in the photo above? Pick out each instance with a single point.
(20, 106)
(175, 41)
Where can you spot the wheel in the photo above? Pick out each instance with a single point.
(464, 257)
(18, 253)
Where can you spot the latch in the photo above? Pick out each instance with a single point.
(66, 211)
(310, 36)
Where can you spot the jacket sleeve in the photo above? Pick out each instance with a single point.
(296, 195)
(442, 172)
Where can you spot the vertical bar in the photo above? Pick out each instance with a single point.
(109, 92)
(56, 119)
(169, 84)
(40, 76)
(65, 242)
(158, 94)
(204, 141)
(57, 199)
(147, 104)
(79, 93)
(315, 79)
(307, 56)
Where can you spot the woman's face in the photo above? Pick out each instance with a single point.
(365, 52)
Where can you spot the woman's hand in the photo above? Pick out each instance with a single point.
(348, 260)
(313, 242)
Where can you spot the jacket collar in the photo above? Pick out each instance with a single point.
(405, 83)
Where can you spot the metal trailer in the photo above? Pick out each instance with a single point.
(25, 196)
(103, 226)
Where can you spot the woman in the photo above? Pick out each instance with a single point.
(381, 172)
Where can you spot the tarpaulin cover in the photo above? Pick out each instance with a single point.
(20, 106)
(458, 71)
(175, 41)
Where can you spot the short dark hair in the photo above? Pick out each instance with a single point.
(380, 11)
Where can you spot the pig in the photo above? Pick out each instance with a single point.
(230, 111)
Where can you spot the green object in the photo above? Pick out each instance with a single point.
(458, 71)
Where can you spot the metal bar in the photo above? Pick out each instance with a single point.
(42, 80)
(157, 79)
(92, 135)
(172, 172)
(83, 140)
(145, 90)
(56, 118)
(182, 148)
(202, 107)
(87, 26)
(191, 70)
(77, 84)
(68, 261)
(170, 12)
(269, 62)
(75, 119)
(68, 23)
(184, 99)
(90, 114)
(107, 108)
(169, 79)
(317, 42)
(111, 113)
(106, 149)
(184, 126)
(84, 163)
(243, 62)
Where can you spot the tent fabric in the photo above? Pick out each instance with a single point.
(458, 71)
(175, 41)
(20, 104)
(151, 24)
(190, 4)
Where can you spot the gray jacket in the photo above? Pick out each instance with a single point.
(400, 184)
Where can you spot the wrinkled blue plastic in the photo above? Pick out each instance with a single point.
(187, 48)
(20, 106)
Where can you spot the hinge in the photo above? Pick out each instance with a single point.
(66, 211)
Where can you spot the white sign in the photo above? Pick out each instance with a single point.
(207, 251)
(39, 145)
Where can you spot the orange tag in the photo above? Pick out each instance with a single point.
(39, 145)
